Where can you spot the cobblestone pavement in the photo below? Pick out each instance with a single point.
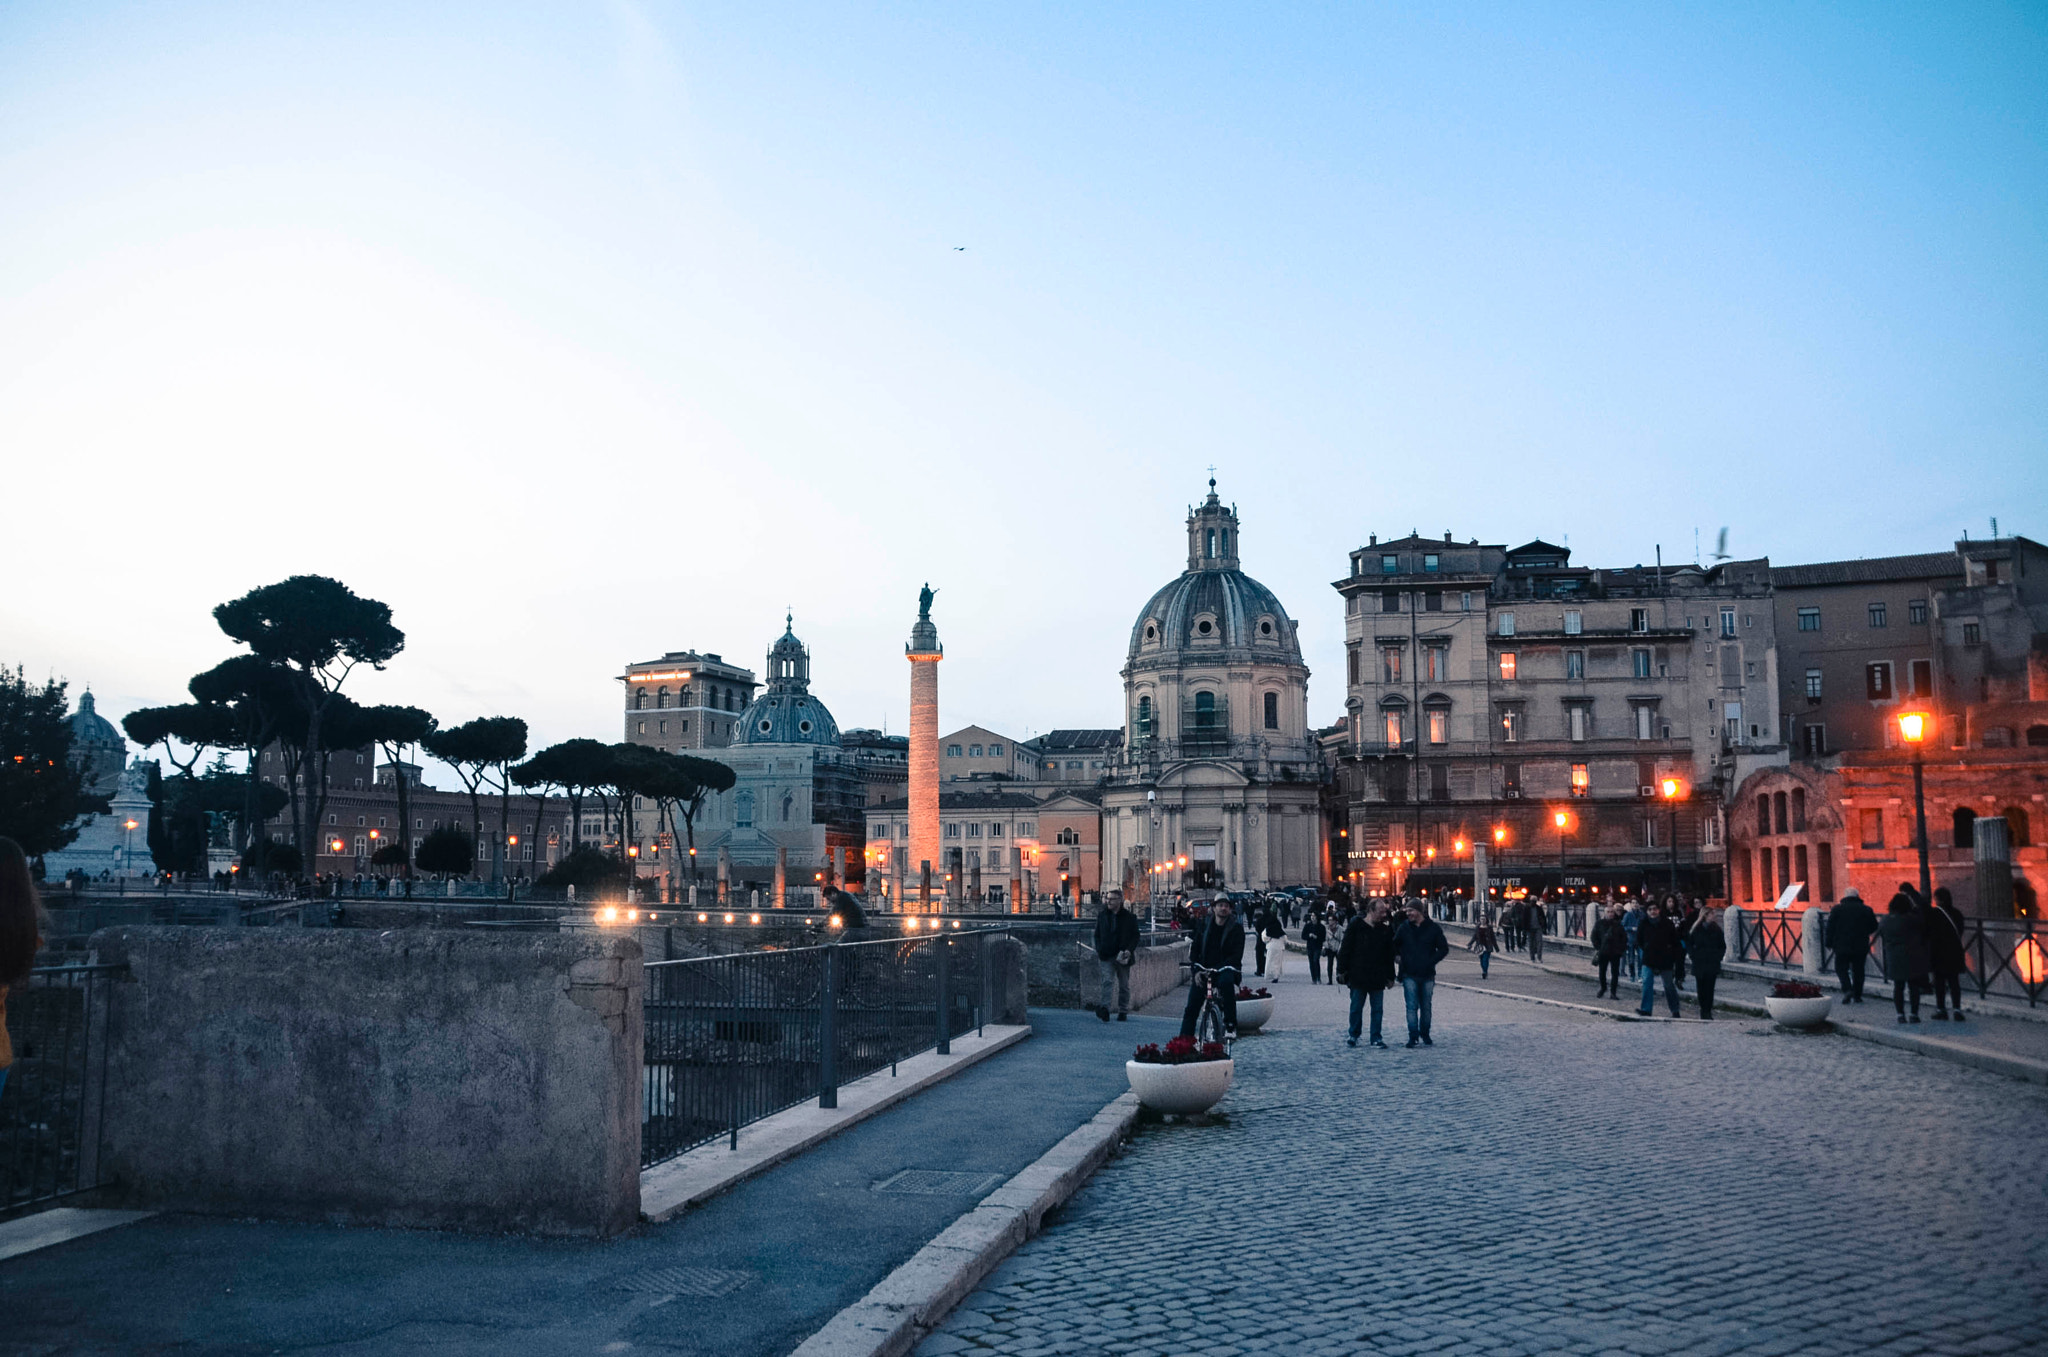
(1544, 1180)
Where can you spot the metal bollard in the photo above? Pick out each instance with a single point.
(828, 1031)
(945, 1023)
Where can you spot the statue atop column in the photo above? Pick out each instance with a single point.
(924, 602)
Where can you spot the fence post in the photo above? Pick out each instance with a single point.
(828, 1030)
(1811, 928)
(981, 946)
(945, 1023)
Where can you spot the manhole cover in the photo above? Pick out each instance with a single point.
(938, 1183)
(685, 1281)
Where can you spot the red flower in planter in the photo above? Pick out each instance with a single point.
(1179, 1051)
(1796, 989)
(1245, 992)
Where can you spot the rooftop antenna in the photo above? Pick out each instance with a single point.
(1695, 546)
(1994, 530)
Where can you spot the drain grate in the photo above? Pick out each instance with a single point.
(938, 1183)
(685, 1281)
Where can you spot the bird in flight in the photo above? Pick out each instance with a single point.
(959, 247)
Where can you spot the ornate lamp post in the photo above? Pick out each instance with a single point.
(1913, 729)
(1562, 820)
(1673, 791)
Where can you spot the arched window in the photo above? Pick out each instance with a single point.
(788, 800)
(1799, 810)
(1763, 812)
(661, 696)
(1209, 544)
(743, 810)
(2016, 820)
(1144, 717)
(1205, 711)
(1778, 802)
(639, 699)
(1964, 827)
(1272, 711)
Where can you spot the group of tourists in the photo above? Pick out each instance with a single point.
(1923, 949)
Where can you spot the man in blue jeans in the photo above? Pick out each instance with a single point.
(1365, 963)
(1419, 944)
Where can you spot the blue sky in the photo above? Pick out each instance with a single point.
(583, 332)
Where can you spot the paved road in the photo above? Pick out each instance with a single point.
(752, 1272)
(1544, 1180)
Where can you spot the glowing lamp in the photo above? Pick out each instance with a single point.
(1500, 836)
(703, 918)
(753, 918)
(728, 918)
(1671, 787)
(633, 850)
(1913, 726)
(1560, 819)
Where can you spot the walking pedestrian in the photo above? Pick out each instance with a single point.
(1419, 944)
(1706, 944)
(1276, 945)
(1365, 965)
(1658, 946)
(1483, 942)
(1631, 924)
(1313, 935)
(1116, 945)
(1610, 943)
(1539, 919)
(1258, 922)
(21, 915)
(1944, 925)
(1905, 951)
(1851, 926)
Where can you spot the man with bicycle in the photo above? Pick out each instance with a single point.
(1218, 947)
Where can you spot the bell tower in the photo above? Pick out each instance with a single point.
(1212, 534)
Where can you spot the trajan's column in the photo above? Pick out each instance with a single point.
(924, 653)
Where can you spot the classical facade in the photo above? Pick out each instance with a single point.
(106, 846)
(1217, 764)
(685, 702)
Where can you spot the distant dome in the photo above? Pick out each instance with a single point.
(785, 712)
(91, 730)
(1214, 604)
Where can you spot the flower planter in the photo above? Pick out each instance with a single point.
(1252, 1014)
(1193, 1087)
(1799, 1012)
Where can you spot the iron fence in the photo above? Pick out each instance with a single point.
(2003, 957)
(51, 1107)
(733, 1039)
(1771, 936)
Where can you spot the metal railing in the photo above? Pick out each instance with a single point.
(52, 1106)
(1772, 937)
(2007, 958)
(731, 1040)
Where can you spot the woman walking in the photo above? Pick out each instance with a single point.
(1482, 943)
(1944, 925)
(1313, 936)
(1905, 953)
(1706, 944)
(20, 936)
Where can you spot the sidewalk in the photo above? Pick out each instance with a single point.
(751, 1272)
(1990, 1041)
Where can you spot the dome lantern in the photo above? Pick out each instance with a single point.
(1212, 534)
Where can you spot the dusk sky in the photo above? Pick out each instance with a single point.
(578, 333)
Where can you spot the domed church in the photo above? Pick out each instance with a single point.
(1217, 764)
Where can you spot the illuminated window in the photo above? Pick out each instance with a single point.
(1435, 662)
(1439, 726)
(1390, 664)
(1582, 780)
(1507, 664)
(1391, 727)
(1510, 725)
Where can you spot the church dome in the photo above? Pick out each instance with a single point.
(91, 730)
(785, 712)
(1214, 605)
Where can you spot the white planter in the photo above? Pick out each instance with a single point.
(1180, 1088)
(1252, 1014)
(1799, 1012)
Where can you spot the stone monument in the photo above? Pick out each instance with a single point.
(924, 653)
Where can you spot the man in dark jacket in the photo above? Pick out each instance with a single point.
(1313, 936)
(1706, 944)
(1219, 946)
(1116, 943)
(1419, 944)
(842, 909)
(1657, 941)
(1610, 944)
(1539, 919)
(1365, 963)
(1851, 926)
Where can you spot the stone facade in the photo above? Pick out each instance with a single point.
(1216, 764)
(684, 701)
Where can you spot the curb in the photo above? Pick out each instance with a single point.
(674, 1186)
(907, 1305)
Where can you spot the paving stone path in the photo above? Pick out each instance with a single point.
(1544, 1180)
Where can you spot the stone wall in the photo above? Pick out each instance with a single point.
(439, 1079)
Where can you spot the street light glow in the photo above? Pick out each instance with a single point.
(1913, 726)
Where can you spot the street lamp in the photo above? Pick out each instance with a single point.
(1563, 822)
(1673, 790)
(128, 845)
(1913, 729)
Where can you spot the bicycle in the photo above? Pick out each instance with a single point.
(1209, 1024)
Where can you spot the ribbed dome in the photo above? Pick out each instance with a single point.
(1239, 611)
(786, 713)
(89, 728)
